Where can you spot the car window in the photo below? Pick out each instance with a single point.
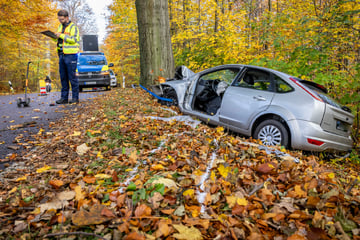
(226, 75)
(255, 79)
(281, 86)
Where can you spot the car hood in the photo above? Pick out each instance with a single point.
(182, 73)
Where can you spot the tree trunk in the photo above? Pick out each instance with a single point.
(156, 56)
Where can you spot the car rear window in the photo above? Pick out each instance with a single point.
(321, 93)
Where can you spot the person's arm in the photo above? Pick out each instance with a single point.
(74, 36)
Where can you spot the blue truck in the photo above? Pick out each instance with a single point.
(93, 70)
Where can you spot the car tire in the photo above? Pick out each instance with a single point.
(272, 132)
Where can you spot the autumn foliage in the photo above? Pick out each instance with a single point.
(20, 41)
(116, 170)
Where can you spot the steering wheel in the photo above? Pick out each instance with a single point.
(214, 84)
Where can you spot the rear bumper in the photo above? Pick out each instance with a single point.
(304, 130)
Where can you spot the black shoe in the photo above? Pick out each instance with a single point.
(74, 101)
(62, 101)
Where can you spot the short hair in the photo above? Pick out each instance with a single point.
(63, 13)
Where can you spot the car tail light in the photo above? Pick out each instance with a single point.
(314, 95)
(315, 142)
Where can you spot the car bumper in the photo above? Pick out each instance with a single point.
(304, 130)
(94, 83)
(113, 83)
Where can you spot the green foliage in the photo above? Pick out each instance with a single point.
(145, 193)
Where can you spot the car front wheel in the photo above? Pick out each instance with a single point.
(272, 132)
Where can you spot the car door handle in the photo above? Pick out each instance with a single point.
(259, 98)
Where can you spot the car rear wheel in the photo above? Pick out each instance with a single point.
(272, 132)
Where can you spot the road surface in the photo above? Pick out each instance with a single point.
(17, 124)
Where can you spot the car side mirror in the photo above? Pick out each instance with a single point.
(111, 65)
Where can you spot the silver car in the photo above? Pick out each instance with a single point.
(269, 105)
(113, 80)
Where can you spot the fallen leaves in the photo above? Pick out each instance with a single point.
(97, 214)
(136, 177)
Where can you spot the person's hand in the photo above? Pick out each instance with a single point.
(58, 34)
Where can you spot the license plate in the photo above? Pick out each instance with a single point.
(341, 126)
(90, 83)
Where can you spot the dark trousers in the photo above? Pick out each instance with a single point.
(67, 66)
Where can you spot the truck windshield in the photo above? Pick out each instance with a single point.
(92, 60)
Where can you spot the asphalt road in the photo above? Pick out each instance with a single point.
(19, 123)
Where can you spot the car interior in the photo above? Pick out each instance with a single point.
(210, 89)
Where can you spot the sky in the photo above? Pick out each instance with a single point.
(99, 7)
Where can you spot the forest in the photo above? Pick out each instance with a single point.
(120, 167)
(315, 40)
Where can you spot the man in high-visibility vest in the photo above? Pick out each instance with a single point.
(68, 48)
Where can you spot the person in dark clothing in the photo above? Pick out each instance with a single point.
(68, 48)
(48, 84)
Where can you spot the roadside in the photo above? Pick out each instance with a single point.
(124, 168)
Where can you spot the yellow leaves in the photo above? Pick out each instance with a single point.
(78, 193)
(99, 155)
(43, 169)
(189, 192)
(220, 129)
(102, 176)
(76, 134)
(23, 178)
(187, 233)
(241, 201)
(40, 131)
(224, 171)
(13, 190)
(157, 167)
(232, 200)
(331, 175)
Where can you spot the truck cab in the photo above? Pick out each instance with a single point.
(93, 70)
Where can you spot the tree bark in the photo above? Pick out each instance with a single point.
(156, 56)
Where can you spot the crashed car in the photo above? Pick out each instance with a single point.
(269, 105)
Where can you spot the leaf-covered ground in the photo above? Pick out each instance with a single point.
(124, 168)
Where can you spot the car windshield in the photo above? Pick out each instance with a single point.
(92, 60)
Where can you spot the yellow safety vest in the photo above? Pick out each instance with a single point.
(71, 38)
